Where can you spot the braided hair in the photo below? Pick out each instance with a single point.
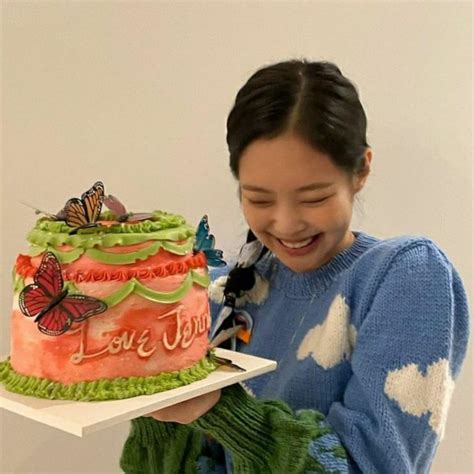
(242, 278)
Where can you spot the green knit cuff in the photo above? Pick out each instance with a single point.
(155, 447)
(236, 410)
(147, 431)
(263, 436)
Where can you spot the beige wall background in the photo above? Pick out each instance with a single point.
(137, 94)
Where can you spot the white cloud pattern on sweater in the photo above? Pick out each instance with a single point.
(332, 341)
(418, 394)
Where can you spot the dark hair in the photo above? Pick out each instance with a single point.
(312, 99)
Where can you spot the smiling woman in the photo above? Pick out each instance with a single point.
(301, 210)
(346, 315)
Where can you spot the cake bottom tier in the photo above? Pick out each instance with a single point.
(103, 389)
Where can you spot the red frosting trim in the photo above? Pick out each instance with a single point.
(25, 269)
(23, 266)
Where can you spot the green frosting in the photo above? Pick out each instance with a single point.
(63, 257)
(103, 389)
(134, 286)
(162, 226)
(160, 220)
(115, 258)
(18, 283)
(104, 238)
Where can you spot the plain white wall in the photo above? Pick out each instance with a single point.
(137, 94)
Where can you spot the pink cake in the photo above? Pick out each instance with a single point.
(149, 329)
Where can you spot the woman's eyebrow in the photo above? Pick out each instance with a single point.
(307, 187)
(314, 186)
(257, 189)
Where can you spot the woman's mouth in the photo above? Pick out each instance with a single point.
(299, 247)
(296, 245)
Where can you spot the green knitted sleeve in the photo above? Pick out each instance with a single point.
(266, 437)
(154, 447)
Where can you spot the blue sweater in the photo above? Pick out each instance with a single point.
(373, 340)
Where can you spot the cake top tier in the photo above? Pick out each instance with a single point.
(82, 226)
(109, 232)
(83, 223)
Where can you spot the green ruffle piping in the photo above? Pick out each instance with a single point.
(162, 226)
(103, 237)
(115, 258)
(160, 220)
(103, 389)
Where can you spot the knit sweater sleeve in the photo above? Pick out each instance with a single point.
(263, 437)
(266, 437)
(410, 344)
(154, 447)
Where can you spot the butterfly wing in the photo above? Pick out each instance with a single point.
(81, 307)
(47, 284)
(72, 308)
(139, 216)
(208, 243)
(55, 322)
(46, 291)
(205, 242)
(61, 215)
(92, 201)
(215, 257)
(48, 276)
(80, 212)
(202, 234)
(115, 205)
(204, 239)
(75, 213)
(32, 300)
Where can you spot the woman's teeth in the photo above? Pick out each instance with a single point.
(297, 245)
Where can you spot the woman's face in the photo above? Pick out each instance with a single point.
(296, 201)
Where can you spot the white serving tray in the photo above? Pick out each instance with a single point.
(82, 418)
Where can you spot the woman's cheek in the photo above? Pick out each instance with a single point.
(255, 218)
(337, 214)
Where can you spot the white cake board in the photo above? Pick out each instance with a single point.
(82, 418)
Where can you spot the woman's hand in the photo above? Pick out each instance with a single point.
(188, 411)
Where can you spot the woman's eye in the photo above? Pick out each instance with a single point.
(315, 201)
(259, 203)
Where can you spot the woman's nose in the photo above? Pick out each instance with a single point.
(288, 221)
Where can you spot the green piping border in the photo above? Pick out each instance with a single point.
(114, 258)
(103, 389)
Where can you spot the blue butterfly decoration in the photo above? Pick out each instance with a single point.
(205, 243)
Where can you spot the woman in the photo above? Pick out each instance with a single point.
(369, 334)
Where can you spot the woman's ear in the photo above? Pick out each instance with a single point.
(361, 176)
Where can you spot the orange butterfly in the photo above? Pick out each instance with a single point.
(84, 212)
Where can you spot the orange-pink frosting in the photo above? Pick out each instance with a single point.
(136, 337)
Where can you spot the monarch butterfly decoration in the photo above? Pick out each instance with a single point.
(205, 242)
(84, 212)
(120, 211)
(53, 308)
